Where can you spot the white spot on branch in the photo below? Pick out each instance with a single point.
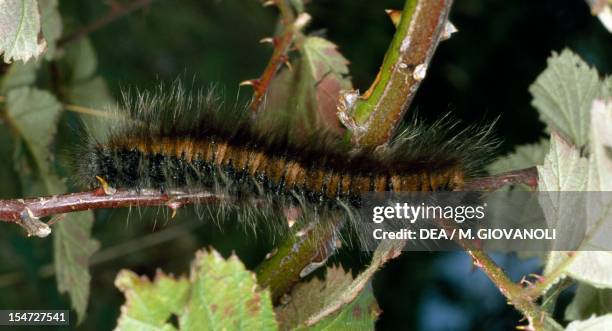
(405, 45)
(419, 72)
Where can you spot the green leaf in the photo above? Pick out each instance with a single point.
(34, 114)
(600, 165)
(18, 75)
(323, 58)
(80, 61)
(219, 295)
(306, 96)
(563, 169)
(148, 304)
(588, 265)
(86, 89)
(589, 301)
(563, 94)
(20, 30)
(606, 88)
(600, 323)
(361, 314)
(72, 249)
(51, 25)
(310, 299)
(525, 156)
(224, 295)
(315, 301)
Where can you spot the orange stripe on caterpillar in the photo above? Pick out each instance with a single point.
(177, 140)
(282, 171)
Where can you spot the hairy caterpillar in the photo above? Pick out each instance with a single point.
(188, 143)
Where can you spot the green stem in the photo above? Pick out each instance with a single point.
(306, 249)
(375, 115)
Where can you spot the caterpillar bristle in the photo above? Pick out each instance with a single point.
(175, 140)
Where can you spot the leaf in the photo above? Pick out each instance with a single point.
(51, 25)
(224, 295)
(34, 114)
(601, 323)
(20, 30)
(525, 156)
(606, 88)
(589, 265)
(18, 75)
(80, 61)
(307, 299)
(219, 295)
(589, 301)
(324, 58)
(563, 169)
(315, 301)
(72, 249)
(306, 95)
(600, 165)
(563, 94)
(361, 314)
(87, 89)
(148, 304)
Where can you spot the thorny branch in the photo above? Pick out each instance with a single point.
(516, 295)
(523, 299)
(373, 117)
(27, 212)
(116, 11)
(282, 44)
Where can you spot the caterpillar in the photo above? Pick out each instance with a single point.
(175, 140)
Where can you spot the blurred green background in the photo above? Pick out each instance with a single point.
(482, 72)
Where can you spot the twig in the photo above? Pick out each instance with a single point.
(12, 210)
(527, 176)
(113, 14)
(523, 299)
(82, 110)
(282, 43)
(515, 294)
(373, 117)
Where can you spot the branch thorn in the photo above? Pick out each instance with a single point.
(268, 40)
(395, 16)
(108, 190)
(250, 82)
(174, 206)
